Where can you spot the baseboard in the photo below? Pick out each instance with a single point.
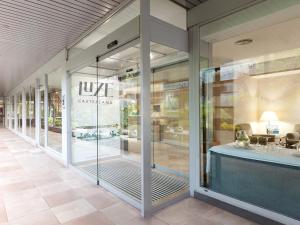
(236, 210)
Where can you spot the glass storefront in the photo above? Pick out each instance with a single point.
(170, 119)
(2, 113)
(55, 110)
(106, 139)
(42, 117)
(19, 112)
(30, 111)
(250, 116)
(12, 112)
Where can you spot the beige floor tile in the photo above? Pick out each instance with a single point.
(73, 210)
(223, 217)
(96, 218)
(54, 188)
(15, 198)
(87, 191)
(183, 211)
(19, 186)
(78, 182)
(31, 181)
(120, 213)
(61, 198)
(143, 221)
(51, 178)
(20, 210)
(66, 174)
(195, 221)
(3, 215)
(102, 200)
(41, 218)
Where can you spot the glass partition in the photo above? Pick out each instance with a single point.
(30, 112)
(42, 118)
(12, 112)
(106, 127)
(19, 111)
(105, 121)
(250, 117)
(170, 123)
(7, 112)
(2, 113)
(54, 110)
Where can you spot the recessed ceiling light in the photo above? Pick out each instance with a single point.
(245, 41)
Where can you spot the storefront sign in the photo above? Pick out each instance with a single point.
(176, 85)
(89, 91)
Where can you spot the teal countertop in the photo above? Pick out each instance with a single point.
(270, 154)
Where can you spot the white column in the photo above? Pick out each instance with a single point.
(66, 119)
(46, 110)
(194, 122)
(15, 111)
(145, 82)
(23, 111)
(37, 112)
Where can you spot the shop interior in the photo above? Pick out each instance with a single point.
(113, 83)
(251, 108)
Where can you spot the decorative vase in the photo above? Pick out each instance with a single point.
(242, 139)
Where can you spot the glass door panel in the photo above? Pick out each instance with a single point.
(30, 112)
(12, 113)
(119, 122)
(106, 129)
(170, 123)
(42, 119)
(19, 112)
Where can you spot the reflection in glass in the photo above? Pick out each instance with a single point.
(54, 111)
(42, 119)
(106, 122)
(252, 91)
(12, 112)
(30, 112)
(19, 112)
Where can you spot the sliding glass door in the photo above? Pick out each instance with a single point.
(42, 118)
(106, 127)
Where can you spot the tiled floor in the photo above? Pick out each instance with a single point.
(37, 190)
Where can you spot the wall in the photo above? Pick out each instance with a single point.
(253, 96)
(281, 95)
(246, 101)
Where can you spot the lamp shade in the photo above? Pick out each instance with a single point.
(268, 116)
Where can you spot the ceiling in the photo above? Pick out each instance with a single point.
(273, 42)
(188, 4)
(33, 31)
(129, 59)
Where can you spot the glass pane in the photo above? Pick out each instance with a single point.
(42, 120)
(113, 133)
(30, 112)
(19, 112)
(250, 117)
(2, 118)
(170, 123)
(12, 112)
(84, 116)
(119, 122)
(54, 110)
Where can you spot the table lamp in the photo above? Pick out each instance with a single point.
(268, 116)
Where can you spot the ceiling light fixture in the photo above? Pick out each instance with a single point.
(245, 41)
